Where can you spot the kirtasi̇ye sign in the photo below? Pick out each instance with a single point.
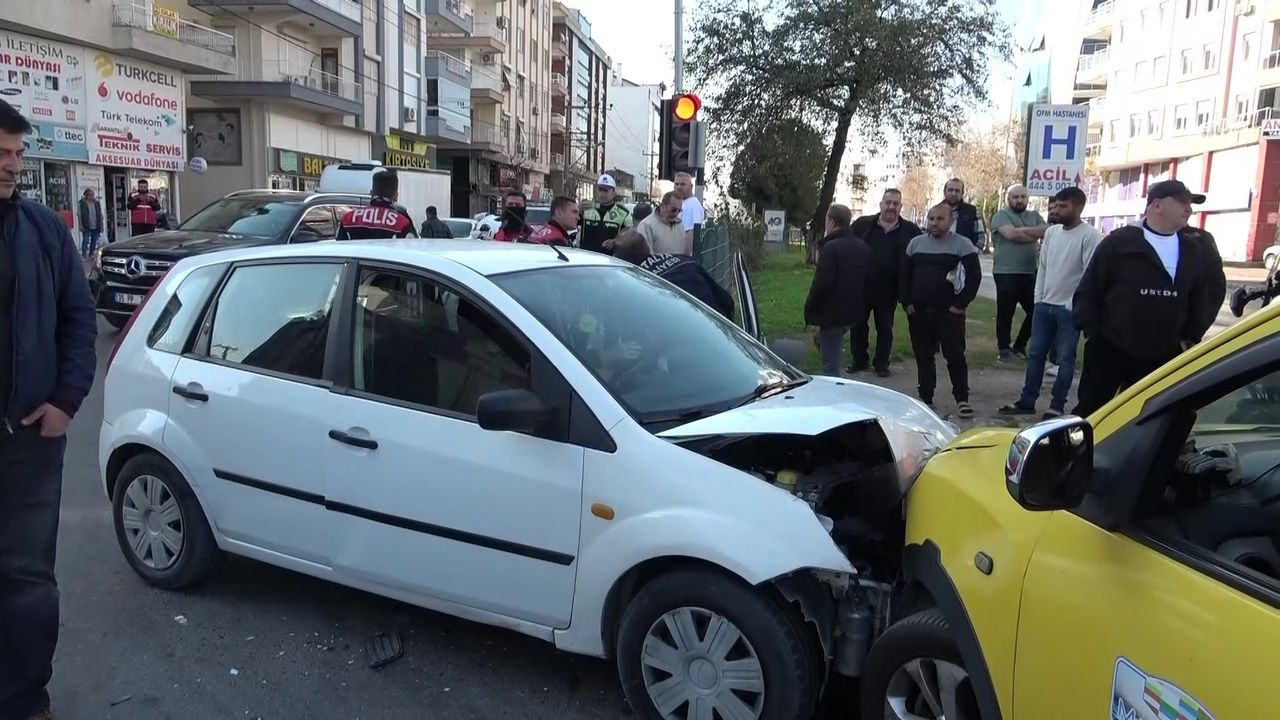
(135, 112)
(290, 162)
(45, 81)
(1056, 147)
(406, 152)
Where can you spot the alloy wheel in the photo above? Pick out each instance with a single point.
(697, 665)
(930, 689)
(153, 523)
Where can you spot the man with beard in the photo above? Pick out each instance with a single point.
(1017, 236)
(837, 295)
(887, 235)
(514, 228)
(966, 221)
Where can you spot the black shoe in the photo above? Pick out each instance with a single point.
(883, 372)
(855, 369)
(964, 410)
(1020, 354)
(1017, 408)
(1051, 414)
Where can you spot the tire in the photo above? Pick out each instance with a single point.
(772, 652)
(156, 498)
(116, 321)
(925, 640)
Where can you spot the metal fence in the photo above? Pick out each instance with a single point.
(711, 250)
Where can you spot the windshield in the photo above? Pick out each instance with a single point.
(259, 216)
(662, 354)
(459, 228)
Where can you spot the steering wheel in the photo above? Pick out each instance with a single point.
(634, 371)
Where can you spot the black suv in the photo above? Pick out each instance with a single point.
(129, 269)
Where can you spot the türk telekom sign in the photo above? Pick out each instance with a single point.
(135, 114)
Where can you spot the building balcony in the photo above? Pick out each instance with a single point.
(449, 16)
(559, 123)
(1213, 136)
(326, 18)
(293, 81)
(448, 67)
(485, 37)
(559, 85)
(1093, 68)
(1097, 109)
(557, 161)
(160, 36)
(487, 139)
(449, 131)
(560, 47)
(487, 85)
(1088, 91)
(1098, 23)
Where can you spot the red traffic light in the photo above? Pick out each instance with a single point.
(685, 107)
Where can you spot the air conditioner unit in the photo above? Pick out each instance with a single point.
(1244, 7)
(410, 115)
(534, 153)
(502, 23)
(535, 110)
(489, 58)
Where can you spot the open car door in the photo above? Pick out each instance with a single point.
(749, 313)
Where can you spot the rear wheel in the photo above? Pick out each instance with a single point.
(915, 672)
(700, 646)
(160, 525)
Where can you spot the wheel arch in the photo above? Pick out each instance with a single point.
(922, 566)
(127, 451)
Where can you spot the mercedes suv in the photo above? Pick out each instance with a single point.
(126, 271)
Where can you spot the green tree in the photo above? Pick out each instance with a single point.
(780, 167)
(836, 65)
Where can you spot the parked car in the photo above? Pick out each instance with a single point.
(463, 228)
(1126, 565)
(544, 439)
(124, 272)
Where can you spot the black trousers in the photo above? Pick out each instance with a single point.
(30, 496)
(881, 305)
(1107, 371)
(1013, 291)
(933, 328)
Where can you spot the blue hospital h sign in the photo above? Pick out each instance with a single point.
(1046, 148)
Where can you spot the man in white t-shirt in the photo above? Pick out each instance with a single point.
(1067, 249)
(691, 213)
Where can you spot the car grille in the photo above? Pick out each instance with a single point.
(135, 270)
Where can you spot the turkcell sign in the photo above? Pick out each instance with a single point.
(1056, 147)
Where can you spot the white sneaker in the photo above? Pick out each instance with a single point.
(1051, 370)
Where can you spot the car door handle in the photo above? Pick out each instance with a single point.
(348, 439)
(191, 391)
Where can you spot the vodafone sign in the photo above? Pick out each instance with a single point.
(135, 114)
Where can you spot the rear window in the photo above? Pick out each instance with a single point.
(258, 216)
(179, 316)
(459, 228)
(537, 215)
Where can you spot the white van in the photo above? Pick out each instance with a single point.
(419, 189)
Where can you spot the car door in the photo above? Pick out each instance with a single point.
(250, 402)
(428, 502)
(1160, 596)
(748, 312)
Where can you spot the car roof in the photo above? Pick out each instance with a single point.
(485, 258)
(291, 195)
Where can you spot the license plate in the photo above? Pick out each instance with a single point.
(128, 299)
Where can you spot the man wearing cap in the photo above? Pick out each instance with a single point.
(1143, 298)
(604, 221)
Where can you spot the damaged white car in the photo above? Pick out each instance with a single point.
(550, 441)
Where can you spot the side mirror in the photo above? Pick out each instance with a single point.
(1050, 464)
(512, 411)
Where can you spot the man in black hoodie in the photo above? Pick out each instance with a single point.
(887, 234)
(1142, 300)
(837, 295)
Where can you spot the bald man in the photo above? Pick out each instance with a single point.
(1017, 240)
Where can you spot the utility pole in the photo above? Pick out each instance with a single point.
(679, 53)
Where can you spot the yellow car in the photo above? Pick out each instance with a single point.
(1127, 567)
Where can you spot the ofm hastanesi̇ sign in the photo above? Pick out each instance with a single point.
(1056, 140)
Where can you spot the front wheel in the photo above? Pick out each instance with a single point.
(915, 672)
(698, 646)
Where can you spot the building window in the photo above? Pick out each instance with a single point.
(1210, 57)
(1114, 130)
(371, 82)
(1142, 74)
(1191, 8)
(1154, 121)
(1209, 5)
(1129, 183)
(1142, 22)
(1160, 70)
(1164, 12)
(1242, 105)
(1187, 64)
(1249, 46)
(1269, 99)
(1204, 113)
(1135, 125)
(1181, 117)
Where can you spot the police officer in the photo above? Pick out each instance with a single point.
(382, 218)
(604, 221)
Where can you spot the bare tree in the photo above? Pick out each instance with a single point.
(984, 158)
(919, 188)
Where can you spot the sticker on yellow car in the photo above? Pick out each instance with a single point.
(1135, 695)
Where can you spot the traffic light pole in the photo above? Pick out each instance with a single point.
(679, 49)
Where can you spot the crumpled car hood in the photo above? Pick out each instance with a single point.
(914, 431)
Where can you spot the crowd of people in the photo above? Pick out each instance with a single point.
(1140, 296)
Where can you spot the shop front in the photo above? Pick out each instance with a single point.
(294, 170)
(99, 121)
(405, 151)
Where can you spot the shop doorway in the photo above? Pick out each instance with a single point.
(117, 207)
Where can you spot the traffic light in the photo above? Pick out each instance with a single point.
(682, 137)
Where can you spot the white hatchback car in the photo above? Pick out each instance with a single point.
(549, 441)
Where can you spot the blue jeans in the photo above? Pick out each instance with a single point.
(1051, 327)
(831, 347)
(89, 240)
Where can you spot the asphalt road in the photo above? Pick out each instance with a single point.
(259, 642)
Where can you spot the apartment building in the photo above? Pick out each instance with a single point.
(1179, 89)
(580, 105)
(498, 76)
(106, 94)
(632, 126)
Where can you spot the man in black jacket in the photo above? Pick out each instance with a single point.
(838, 294)
(47, 363)
(435, 228)
(1145, 296)
(887, 234)
(680, 270)
(940, 277)
(965, 218)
